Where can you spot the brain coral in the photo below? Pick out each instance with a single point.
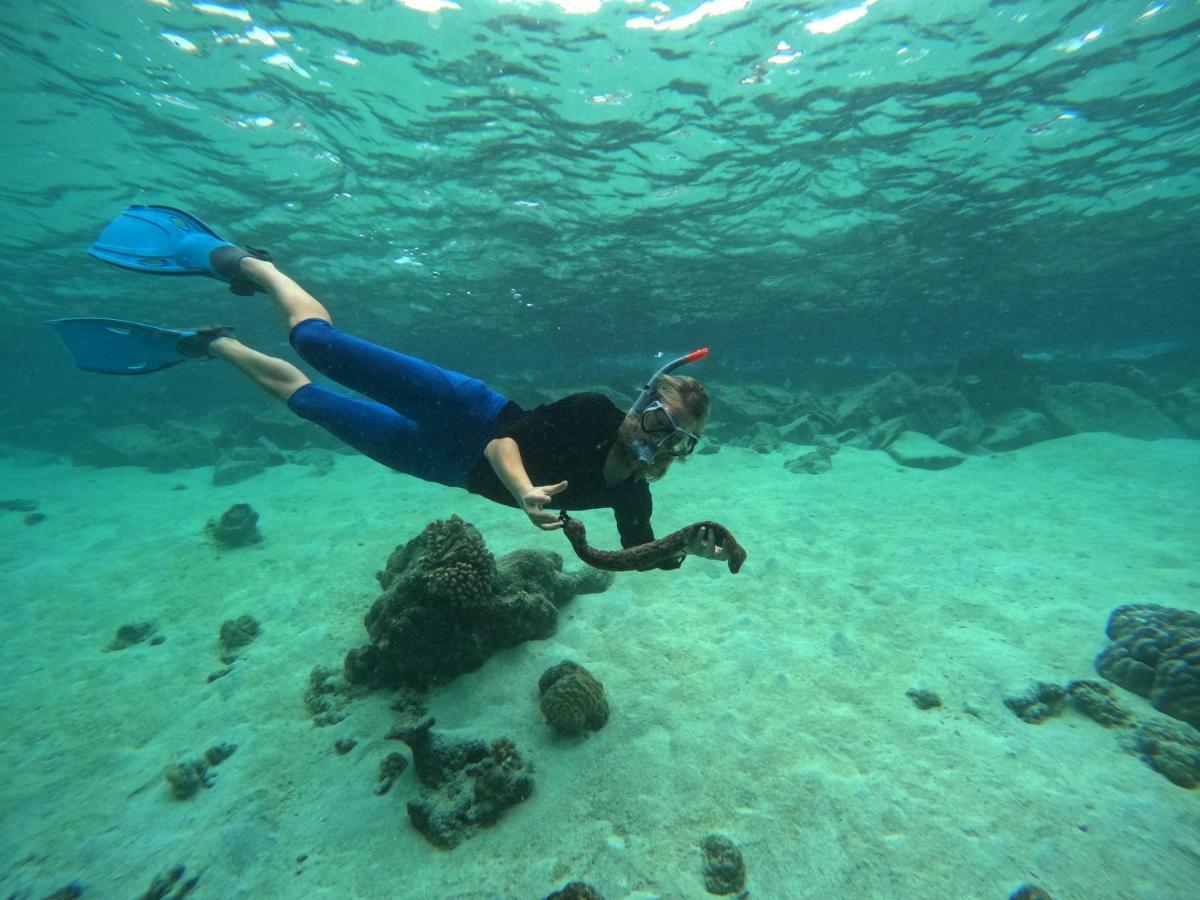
(1156, 653)
(572, 699)
(458, 565)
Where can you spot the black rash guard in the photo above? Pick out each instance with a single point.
(568, 440)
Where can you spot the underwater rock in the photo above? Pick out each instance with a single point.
(1029, 892)
(1018, 428)
(328, 695)
(166, 447)
(274, 426)
(961, 437)
(235, 471)
(1043, 700)
(724, 869)
(236, 634)
(68, 892)
(1171, 750)
(186, 778)
(469, 784)
(1137, 381)
(889, 397)
(238, 464)
(815, 462)
(1096, 701)
(342, 746)
(885, 409)
(171, 885)
(217, 754)
(237, 527)
(1183, 406)
(996, 381)
(391, 767)
(1156, 653)
(744, 404)
(573, 700)
(134, 633)
(807, 429)
(923, 698)
(575, 890)
(447, 605)
(1094, 406)
(945, 413)
(436, 756)
(763, 437)
(920, 451)
(883, 434)
(320, 460)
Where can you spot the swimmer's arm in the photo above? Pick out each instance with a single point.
(504, 456)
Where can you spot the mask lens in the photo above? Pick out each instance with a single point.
(681, 444)
(657, 419)
(665, 432)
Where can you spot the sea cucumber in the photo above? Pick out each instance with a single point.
(647, 555)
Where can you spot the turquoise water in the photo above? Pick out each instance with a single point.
(924, 179)
(1001, 199)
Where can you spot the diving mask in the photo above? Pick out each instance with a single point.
(660, 427)
(665, 433)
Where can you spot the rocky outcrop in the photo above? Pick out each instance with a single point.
(447, 605)
(1096, 406)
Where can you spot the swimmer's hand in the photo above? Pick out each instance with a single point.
(532, 502)
(704, 543)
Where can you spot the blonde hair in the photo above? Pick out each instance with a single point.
(686, 395)
(680, 394)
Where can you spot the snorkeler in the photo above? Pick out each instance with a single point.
(580, 452)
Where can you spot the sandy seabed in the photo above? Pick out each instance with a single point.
(768, 706)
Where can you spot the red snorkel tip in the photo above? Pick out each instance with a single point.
(696, 354)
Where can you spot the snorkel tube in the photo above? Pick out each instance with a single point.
(642, 449)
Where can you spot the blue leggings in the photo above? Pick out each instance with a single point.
(424, 421)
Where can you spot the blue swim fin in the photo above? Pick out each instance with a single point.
(163, 240)
(117, 347)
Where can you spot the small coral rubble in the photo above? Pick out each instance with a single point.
(724, 870)
(470, 784)
(237, 527)
(133, 633)
(1047, 699)
(186, 778)
(576, 890)
(1044, 700)
(923, 698)
(1096, 701)
(1171, 750)
(236, 634)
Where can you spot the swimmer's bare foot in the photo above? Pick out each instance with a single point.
(230, 262)
(196, 346)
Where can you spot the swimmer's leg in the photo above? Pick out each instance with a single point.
(293, 302)
(277, 377)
